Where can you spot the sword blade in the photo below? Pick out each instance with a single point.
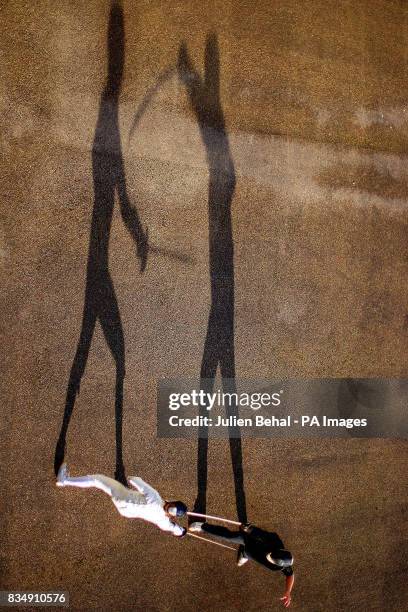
(193, 535)
(214, 518)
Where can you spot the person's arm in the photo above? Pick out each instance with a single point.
(289, 581)
(149, 492)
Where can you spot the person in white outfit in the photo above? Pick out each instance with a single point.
(144, 503)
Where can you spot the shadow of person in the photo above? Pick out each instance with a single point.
(204, 96)
(100, 300)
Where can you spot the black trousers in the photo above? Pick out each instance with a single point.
(222, 533)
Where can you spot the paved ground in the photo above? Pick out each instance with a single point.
(314, 100)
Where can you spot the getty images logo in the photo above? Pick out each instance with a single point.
(196, 398)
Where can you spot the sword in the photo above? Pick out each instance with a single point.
(193, 535)
(214, 518)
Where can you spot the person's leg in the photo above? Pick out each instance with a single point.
(222, 533)
(98, 481)
(243, 556)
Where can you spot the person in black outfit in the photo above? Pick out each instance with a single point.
(261, 546)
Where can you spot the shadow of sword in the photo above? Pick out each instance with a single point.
(164, 252)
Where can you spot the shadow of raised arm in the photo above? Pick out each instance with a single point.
(190, 78)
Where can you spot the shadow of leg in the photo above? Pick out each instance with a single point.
(207, 376)
(235, 440)
(113, 332)
(120, 468)
(236, 460)
(75, 377)
(200, 504)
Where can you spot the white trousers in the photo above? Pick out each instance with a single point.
(108, 485)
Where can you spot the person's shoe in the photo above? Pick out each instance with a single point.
(62, 475)
(195, 527)
(242, 558)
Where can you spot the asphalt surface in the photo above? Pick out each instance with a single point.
(310, 102)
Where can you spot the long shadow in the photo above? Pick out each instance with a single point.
(204, 95)
(100, 300)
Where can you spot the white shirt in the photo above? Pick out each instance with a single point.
(147, 504)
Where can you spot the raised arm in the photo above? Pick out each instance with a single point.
(149, 492)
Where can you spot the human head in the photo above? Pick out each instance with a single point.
(282, 558)
(175, 508)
